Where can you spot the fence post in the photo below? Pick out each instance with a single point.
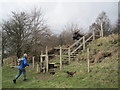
(69, 54)
(88, 60)
(37, 68)
(41, 59)
(83, 42)
(46, 60)
(93, 34)
(33, 61)
(60, 58)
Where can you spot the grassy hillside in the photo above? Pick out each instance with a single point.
(103, 70)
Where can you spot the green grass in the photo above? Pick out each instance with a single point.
(102, 75)
(98, 77)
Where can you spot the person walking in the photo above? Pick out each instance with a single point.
(76, 36)
(21, 68)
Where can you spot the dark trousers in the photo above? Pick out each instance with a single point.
(20, 71)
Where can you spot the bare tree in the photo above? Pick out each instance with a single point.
(102, 23)
(38, 26)
(16, 29)
(27, 32)
(66, 37)
(4, 43)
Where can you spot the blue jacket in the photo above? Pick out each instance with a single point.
(23, 63)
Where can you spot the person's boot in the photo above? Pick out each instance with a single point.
(14, 81)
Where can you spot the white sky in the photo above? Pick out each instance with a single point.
(58, 13)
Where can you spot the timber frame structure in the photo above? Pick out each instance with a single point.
(72, 51)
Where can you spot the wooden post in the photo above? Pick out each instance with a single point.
(83, 42)
(69, 54)
(101, 29)
(88, 60)
(46, 60)
(100, 33)
(60, 58)
(37, 68)
(93, 34)
(41, 59)
(33, 61)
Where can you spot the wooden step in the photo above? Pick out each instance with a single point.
(71, 57)
(65, 62)
(65, 59)
(90, 40)
(57, 65)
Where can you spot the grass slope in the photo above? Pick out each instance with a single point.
(102, 75)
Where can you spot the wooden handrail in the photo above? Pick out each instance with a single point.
(89, 38)
(65, 48)
(43, 55)
(75, 43)
(62, 48)
(76, 49)
(57, 48)
(82, 44)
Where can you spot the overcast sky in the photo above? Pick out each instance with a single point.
(58, 13)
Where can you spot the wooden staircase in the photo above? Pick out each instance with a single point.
(67, 54)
